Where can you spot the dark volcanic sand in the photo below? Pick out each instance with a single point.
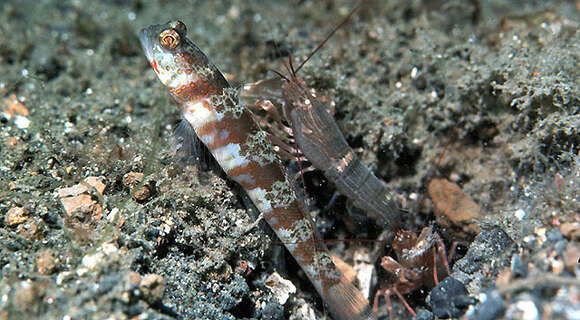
(484, 94)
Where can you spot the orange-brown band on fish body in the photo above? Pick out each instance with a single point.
(225, 131)
(193, 91)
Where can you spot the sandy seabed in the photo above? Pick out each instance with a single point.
(99, 221)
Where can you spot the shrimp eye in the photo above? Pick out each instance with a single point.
(170, 39)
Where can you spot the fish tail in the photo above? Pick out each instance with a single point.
(345, 301)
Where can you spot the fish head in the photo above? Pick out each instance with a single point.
(176, 60)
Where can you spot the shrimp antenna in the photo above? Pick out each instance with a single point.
(321, 44)
(292, 71)
(279, 74)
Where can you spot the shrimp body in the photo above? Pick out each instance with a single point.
(321, 141)
(211, 106)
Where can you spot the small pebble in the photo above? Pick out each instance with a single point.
(453, 207)
(490, 308)
(16, 216)
(424, 314)
(27, 294)
(132, 179)
(304, 312)
(364, 271)
(77, 200)
(46, 263)
(280, 287)
(141, 191)
(555, 235)
(571, 230)
(153, 287)
(524, 310)
(449, 299)
(13, 106)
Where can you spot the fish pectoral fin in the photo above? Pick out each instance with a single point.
(189, 149)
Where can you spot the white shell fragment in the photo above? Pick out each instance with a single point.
(280, 287)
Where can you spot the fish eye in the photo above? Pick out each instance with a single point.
(170, 39)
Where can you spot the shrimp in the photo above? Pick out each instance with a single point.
(320, 141)
(211, 107)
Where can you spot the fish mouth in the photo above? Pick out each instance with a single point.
(149, 39)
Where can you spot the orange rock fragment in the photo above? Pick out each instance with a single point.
(77, 200)
(132, 179)
(135, 278)
(570, 230)
(141, 191)
(452, 207)
(96, 183)
(14, 106)
(504, 278)
(46, 263)
(30, 229)
(83, 187)
(153, 287)
(12, 142)
(81, 203)
(16, 216)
